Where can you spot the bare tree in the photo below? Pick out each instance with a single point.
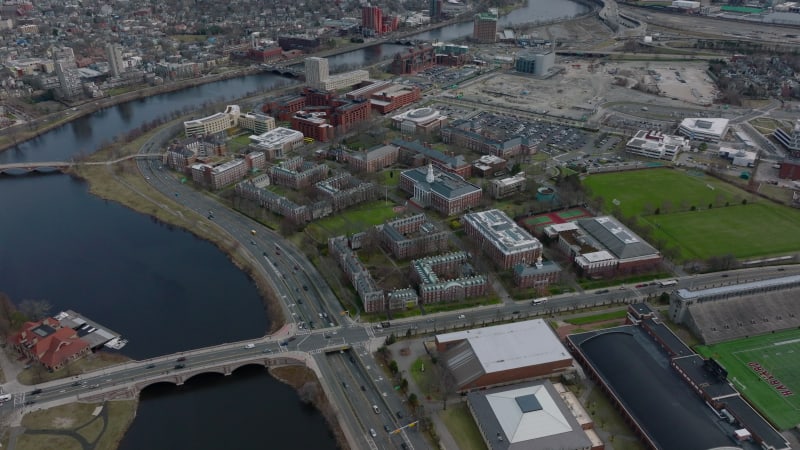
(35, 309)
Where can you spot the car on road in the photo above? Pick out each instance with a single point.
(182, 358)
(180, 366)
(399, 414)
(372, 432)
(150, 366)
(376, 409)
(250, 346)
(305, 288)
(387, 428)
(363, 388)
(36, 391)
(462, 316)
(266, 350)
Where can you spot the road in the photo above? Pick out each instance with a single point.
(308, 300)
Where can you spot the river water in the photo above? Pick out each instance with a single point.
(164, 289)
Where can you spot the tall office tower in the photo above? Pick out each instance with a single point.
(67, 72)
(372, 19)
(435, 9)
(114, 55)
(316, 71)
(485, 27)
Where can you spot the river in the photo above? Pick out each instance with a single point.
(162, 288)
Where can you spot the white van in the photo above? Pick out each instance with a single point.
(539, 301)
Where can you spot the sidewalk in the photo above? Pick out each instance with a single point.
(11, 369)
(432, 407)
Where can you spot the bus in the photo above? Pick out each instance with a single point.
(667, 283)
(538, 301)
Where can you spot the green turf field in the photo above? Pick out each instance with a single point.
(776, 355)
(667, 189)
(746, 231)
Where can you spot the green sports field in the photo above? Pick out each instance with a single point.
(750, 361)
(729, 227)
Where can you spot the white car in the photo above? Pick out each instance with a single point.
(372, 432)
(462, 316)
(250, 346)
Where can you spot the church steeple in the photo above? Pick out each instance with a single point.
(430, 178)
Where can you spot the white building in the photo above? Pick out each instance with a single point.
(316, 71)
(711, 130)
(277, 142)
(318, 76)
(654, 144)
(256, 122)
(344, 80)
(214, 123)
(741, 158)
(791, 139)
(420, 120)
(115, 61)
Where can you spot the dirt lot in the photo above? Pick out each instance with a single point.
(582, 85)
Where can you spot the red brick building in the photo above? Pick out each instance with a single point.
(502, 354)
(394, 97)
(262, 54)
(414, 60)
(312, 125)
(49, 344)
(283, 108)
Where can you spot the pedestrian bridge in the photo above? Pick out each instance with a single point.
(24, 168)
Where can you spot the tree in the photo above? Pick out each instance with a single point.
(308, 392)
(404, 385)
(393, 367)
(412, 400)
(35, 309)
(447, 383)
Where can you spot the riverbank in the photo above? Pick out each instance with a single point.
(122, 183)
(308, 387)
(12, 136)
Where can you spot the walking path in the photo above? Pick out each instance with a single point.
(433, 408)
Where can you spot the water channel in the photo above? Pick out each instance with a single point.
(164, 289)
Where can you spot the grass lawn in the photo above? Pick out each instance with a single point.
(352, 220)
(744, 231)
(391, 177)
(667, 189)
(776, 354)
(462, 426)
(598, 317)
(423, 373)
(77, 418)
(608, 419)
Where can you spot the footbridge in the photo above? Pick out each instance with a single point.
(23, 168)
(287, 71)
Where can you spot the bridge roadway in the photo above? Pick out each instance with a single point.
(47, 166)
(310, 348)
(290, 272)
